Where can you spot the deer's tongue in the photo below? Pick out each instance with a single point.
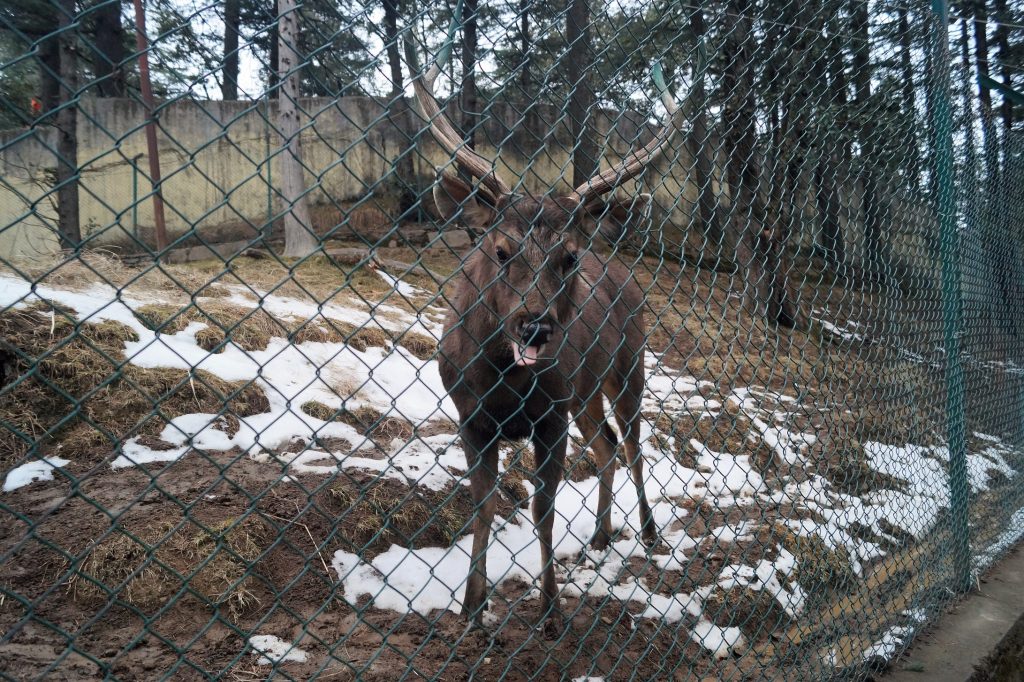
(524, 355)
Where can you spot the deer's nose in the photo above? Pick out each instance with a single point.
(536, 332)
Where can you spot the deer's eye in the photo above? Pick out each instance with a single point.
(502, 254)
(572, 259)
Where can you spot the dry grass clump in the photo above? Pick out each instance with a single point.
(420, 345)
(361, 338)
(325, 330)
(579, 462)
(141, 402)
(86, 269)
(165, 318)
(72, 389)
(251, 329)
(248, 328)
(841, 459)
(375, 513)
(374, 424)
(316, 279)
(371, 423)
(756, 612)
(52, 365)
(147, 566)
(317, 410)
(821, 570)
(727, 432)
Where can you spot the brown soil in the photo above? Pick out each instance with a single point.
(74, 392)
(165, 571)
(196, 557)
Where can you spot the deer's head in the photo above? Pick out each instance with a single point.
(533, 247)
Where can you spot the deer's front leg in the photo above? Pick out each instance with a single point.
(482, 459)
(549, 442)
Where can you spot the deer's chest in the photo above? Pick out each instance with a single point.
(512, 408)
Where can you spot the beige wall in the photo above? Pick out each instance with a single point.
(217, 180)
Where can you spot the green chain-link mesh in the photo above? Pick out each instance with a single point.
(232, 455)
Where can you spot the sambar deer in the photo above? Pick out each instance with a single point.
(540, 328)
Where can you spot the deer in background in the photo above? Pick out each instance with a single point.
(541, 329)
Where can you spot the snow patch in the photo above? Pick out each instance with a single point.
(29, 472)
(272, 649)
(1010, 537)
(889, 643)
(720, 642)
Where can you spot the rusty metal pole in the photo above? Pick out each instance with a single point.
(147, 100)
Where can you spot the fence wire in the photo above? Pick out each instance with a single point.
(256, 412)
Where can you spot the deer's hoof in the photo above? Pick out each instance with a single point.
(599, 543)
(474, 610)
(551, 627)
(475, 631)
(649, 533)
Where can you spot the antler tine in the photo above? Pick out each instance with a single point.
(635, 163)
(445, 133)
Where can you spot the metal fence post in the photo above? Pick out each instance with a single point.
(952, 305)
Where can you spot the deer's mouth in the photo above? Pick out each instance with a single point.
(533, 337)
(525, 356)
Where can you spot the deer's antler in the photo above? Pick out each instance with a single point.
(635, 163)
(445, 133)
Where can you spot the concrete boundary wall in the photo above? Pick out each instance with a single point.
(220, 161)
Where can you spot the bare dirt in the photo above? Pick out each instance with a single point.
(157, 584)
(164, 571)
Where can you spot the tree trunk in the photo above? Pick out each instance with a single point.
(581, 98)
(834, 164)
(794, 151)
(1004, 57)
(49, 69)
(274, 56)
(990, 142)
(391, 12)
(398, 109)
(991, 233)
(829, 206)
(229, 74)
(707, 203)
(67, 122)
(525, 73)
(861, 51)
(110, 53)
(913, 159)
(468, 96)
(932, 149)
(862, 99)
(833, 157)
(758, 252)
(840, 86)
(969, 190)
(1010, 254)
(299, 240)
(970, 175)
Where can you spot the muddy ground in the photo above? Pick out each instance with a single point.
(165, 571)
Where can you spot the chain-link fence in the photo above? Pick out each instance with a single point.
(280, 397)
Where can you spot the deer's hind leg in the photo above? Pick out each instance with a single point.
(482, 457)
(549, 441)
(626, 404)
(599, 436)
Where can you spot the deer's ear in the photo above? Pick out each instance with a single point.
(614, 218)
(455, 198)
